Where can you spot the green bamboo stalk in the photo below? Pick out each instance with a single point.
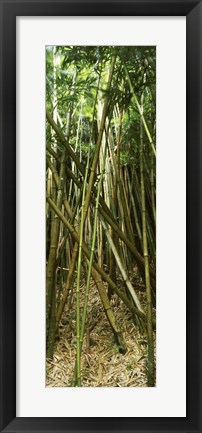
(67, 285)
(84, 210)
(55, 232)
(135, 212)
(74, 157)
(51, 267)
(113, 197)
(153, 191)
(139, 259)
(140, 110)
(100, 244)
(97, 279)
(105, 277)
(146, 260)
(92, 251)
(100, 135)
(126, 209)
(83, 218)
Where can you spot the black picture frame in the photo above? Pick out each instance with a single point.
(9, 11)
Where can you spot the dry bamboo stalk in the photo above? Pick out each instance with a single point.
(122, 270)
(103, 209)
(121, 235)
(105, 277)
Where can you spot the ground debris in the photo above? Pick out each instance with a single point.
(101, 363)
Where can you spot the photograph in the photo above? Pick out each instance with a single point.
(100, 216)
(100, 138)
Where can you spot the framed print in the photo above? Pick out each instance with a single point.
(100, 131)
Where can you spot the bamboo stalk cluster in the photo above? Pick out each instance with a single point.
(100, 213)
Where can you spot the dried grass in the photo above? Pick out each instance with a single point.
(101, 363)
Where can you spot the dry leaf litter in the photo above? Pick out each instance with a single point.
(101, 363)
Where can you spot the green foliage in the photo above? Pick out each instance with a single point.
(90, 64)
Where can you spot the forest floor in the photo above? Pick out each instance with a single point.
(101, 363)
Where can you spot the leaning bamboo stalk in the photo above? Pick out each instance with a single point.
(113, 224)
(105, 277)
(105, 211)
(108, 311)
(68, 209)
(55, 155)
(74, 157)
(109, 218)
(139, 259)
(122, 270)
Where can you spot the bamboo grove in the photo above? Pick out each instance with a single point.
(100, 190)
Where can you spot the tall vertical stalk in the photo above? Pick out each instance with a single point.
(146, 264)
(100, 135)
(140, 110)
(83, 218)
(92, 250)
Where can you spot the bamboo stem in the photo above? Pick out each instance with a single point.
(105, 277)
(140, 110)
(147, 274)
